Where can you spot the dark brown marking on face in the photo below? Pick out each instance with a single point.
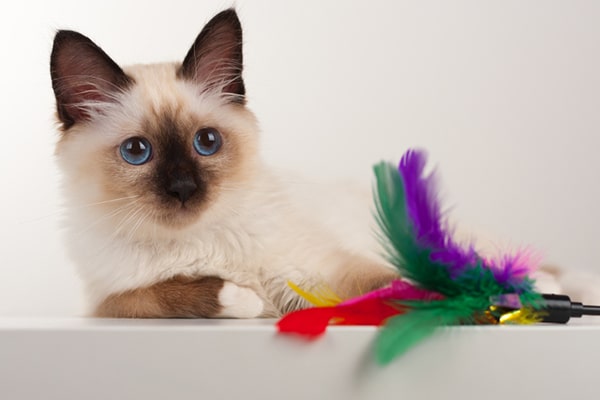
(178, 297)
(179, 175)
(178, 183)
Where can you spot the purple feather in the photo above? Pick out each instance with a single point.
(424, 211)
(510, 269)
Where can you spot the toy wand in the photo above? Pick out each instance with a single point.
(443, 283)
(560, 309)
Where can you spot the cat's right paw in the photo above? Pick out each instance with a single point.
(239, 302)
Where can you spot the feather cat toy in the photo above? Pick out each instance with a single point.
(443, 283)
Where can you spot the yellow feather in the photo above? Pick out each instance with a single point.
(322, 296)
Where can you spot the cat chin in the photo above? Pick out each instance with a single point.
(181, 222)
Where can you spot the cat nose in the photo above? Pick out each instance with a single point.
(182, 188)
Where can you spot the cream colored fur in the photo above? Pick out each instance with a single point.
(253, 233)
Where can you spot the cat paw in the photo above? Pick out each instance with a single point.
(239, 302)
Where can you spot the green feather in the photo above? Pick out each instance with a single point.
(402, 332)
(397, 232)
(467, 296)
(398, 237)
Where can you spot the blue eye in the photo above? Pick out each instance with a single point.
(136, 150)
(207, 141)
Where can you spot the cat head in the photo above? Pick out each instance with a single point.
(156, 143)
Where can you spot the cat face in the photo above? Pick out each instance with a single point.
(157, 145)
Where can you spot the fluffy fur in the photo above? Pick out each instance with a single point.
(230, 249)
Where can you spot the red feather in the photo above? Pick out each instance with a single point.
(372, 308)
(313, 322)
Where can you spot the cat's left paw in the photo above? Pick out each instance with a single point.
(239, 302)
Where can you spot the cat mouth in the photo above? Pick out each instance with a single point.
(179, 214)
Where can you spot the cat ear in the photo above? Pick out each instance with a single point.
(215, 59)
(83, 77)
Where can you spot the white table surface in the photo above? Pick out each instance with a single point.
(80, 358)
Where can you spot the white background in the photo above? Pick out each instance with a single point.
(504, 96)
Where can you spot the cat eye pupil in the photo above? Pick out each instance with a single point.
(136, 150)
(207, 141)
(136, 147)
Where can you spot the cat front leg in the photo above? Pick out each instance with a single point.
(344, 274)
(354, 275)
(184, 297)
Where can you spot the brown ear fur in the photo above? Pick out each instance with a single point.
(82, 75)
(215, 59)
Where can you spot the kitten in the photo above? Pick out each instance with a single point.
(169, 210)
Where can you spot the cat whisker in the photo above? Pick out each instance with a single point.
(59, 212)
(239, 189)
(125, 222)
(109, 215)
(107, 246)
(106, 201)
(136, 224)
(141, 221)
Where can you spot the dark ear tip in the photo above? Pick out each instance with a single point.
(228, 15)
(229, 12)
(65, 34)
(64, 38)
